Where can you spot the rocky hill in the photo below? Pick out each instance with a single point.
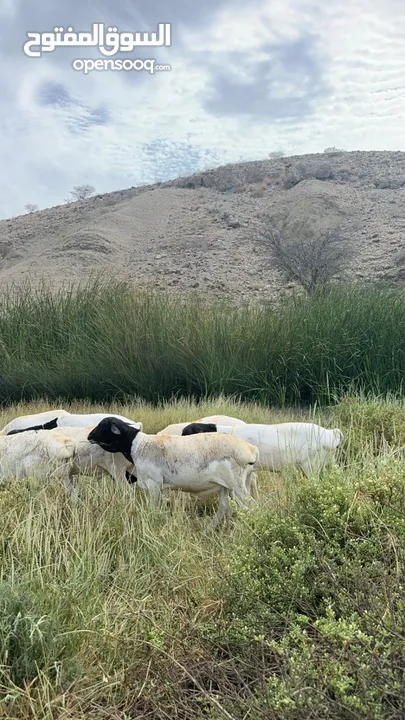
(197, 233)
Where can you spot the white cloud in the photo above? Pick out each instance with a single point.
(45, 150)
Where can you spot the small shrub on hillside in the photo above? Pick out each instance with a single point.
(81, 192)
(309, 258)
(333, 150)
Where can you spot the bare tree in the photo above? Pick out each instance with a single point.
(309, 258)
(276, 154)
(81, 192)
(333, 150)
(30, 208)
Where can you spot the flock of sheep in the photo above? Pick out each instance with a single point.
(212, 455)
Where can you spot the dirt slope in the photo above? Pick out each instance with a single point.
(197, 233)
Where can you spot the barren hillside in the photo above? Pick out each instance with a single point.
(197, 233)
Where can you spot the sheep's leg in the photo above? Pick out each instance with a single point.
(251, 485)
(130, 477)
(233, 477)
(71, 490)
(70, 485)
(125, 478)
(154, 493)
(240, 487)
(67, 474)
(153, 489)
(224, 507)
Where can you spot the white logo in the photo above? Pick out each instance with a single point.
(88, 65)
(108, 43)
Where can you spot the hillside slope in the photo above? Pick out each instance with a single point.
(196, 233)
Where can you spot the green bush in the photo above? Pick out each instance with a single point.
(314, 606)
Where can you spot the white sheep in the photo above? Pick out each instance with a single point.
(36, 454)
(59, 418)
(177, 428)
(193, 464)
(305, 445)
(62, 419)
(26, 422)
(91, 459)
(81, 420)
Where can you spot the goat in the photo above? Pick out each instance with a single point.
(194, 464)
(305, 445)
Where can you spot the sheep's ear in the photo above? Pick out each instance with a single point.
(115, 429)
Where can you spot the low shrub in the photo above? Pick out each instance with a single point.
(314, 605)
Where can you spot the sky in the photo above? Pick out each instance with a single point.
(246, 79)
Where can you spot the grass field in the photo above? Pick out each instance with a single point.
(295, 610)
(107, 342)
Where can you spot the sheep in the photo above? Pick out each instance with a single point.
(64, 420)
(177, 428)
(28, 422)
(222, 420)
(305, 445)
(35, 454)
(90, 459)
(70, 420)
(193, 464)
